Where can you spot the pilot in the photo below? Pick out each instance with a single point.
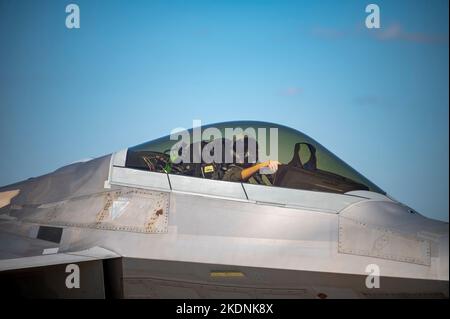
(242, 170)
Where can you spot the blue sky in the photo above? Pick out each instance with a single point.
(137, 69)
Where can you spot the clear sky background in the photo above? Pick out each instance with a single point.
(135, 70)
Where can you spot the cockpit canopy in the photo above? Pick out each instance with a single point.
(305, 164)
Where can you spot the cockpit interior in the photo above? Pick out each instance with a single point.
(304, 163)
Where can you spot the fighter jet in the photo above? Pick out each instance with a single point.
(141, 223)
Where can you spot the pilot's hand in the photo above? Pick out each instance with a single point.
(272, 165)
